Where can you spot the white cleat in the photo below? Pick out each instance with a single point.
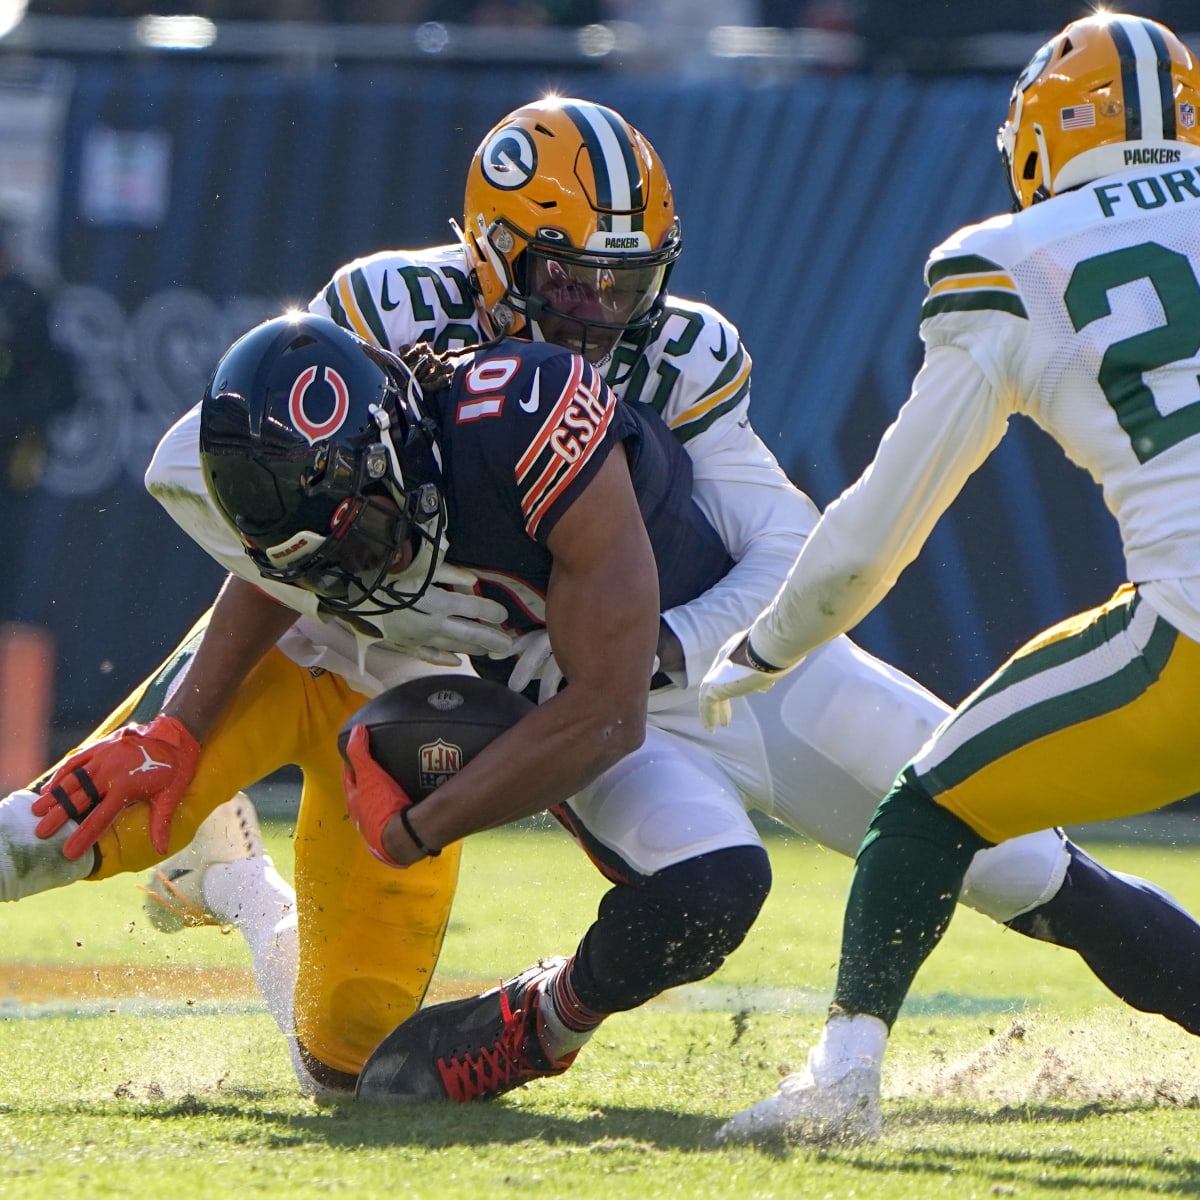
(846, 1113)
(175, 888)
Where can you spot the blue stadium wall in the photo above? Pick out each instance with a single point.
(808, 210)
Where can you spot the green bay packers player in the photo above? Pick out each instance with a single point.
(569, 233)
(1082, 312)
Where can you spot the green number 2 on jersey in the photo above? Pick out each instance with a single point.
(1124, 363)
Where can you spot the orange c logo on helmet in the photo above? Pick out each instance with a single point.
(313, 430)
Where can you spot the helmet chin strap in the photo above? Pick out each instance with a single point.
(383, 420)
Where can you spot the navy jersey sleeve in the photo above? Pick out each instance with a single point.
(542, 420)
(524, 429)
(568, 443)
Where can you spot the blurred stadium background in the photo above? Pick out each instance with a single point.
(175, 172)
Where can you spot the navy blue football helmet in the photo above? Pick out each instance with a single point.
(315, 448)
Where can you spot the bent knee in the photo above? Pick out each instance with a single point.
(1012, 877)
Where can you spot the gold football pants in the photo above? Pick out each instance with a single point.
(1092, 720)
(370, 935)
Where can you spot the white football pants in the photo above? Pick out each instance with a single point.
(817, 752)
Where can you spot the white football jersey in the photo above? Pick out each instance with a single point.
(695, 373)
(1082, 313)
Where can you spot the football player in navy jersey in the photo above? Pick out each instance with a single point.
(818, 759)
(576, 510)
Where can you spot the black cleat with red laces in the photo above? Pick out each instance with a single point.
(465, 1050)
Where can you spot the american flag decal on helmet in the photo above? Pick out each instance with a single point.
(1080, 117)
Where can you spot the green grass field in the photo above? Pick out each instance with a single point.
(142, 1063)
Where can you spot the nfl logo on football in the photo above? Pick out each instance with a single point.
(1187, 115)
(439, 760)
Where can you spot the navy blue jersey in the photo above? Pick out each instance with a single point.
(524, 428)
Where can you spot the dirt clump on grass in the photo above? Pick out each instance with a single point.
(1117, 1058)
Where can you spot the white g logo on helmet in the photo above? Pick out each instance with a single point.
(509, 160)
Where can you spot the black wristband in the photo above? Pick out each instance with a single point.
(757, 663)
(428, 851)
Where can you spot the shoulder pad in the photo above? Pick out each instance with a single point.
(695, 370)
(970, 272)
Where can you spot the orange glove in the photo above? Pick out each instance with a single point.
(153, 762)
(373, 798)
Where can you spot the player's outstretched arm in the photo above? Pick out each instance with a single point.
(245, 624)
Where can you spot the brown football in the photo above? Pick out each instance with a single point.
(427, 729)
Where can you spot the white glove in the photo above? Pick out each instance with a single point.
(447, 622)
(726, 679)
(535, 660)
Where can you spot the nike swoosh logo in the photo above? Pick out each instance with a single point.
(385, 300)
(722, 352)
(530, 403)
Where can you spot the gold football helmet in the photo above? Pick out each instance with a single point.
(1110, 92)
(569, 227)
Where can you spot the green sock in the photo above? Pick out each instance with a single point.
(907, 878)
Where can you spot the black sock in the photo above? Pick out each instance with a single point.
(1139, 943)
(906, 883)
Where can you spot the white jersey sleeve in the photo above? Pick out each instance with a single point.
(951, 422)
(397, 298)
(696, 373)
(1081, 313)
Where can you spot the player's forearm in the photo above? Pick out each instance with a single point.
(560, 747)
(245, 624)
(602, 615)
(805, 617)
(848, 564)
(545, 759)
